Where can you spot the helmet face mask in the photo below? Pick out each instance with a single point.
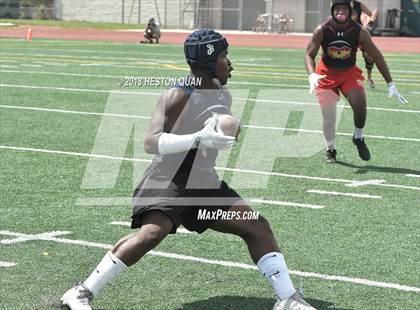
(341, 18)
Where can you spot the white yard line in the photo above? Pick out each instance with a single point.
(252, 62)
(245, 126)
(120, 66)
(66, 42)
(119, 53)
(115, 76)
(6, 264)
(29, 65)
(314, 191)
(145, 48)
(106, 60)
(357, 281)
(122, 201)
(103, 201)
(367, 182)
(159, 93)
(26, 237)
(316, 104)
(91, 64)
(351, 183)
(413, 175)
(286, 204)
(73, 112)
(303, 76)
(268, 84)
(28, 149)
(294, 71)
(60, 73)
(50, 63)
(120, 223)
(81, 57)
(180, 230)
(79, 89)
(186, 69)
(338, 133)
(367, 282)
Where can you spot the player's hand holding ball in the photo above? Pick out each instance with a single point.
(219, 132)
(393, 92)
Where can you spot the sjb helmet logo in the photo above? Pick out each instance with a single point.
(210, 49)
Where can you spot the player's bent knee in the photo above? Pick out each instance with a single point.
(151, 236)
(264, 226)
(258, 229)
(157, 219)
(155, 227)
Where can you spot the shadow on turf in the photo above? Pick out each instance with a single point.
(247, 303)
(364, 169)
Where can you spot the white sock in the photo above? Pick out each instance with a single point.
(331, 145)
(274, 269)
(109, 267)
(358, 133)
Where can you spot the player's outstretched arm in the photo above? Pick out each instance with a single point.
(310, 55)
(312, 49)
(372, 16)
(375, 53)
(370, 47)
(367, 11)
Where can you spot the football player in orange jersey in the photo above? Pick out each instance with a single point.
(340, 37)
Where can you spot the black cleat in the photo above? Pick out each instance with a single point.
(331, 156)
(362, 148)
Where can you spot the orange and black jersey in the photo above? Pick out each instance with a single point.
(339, 45)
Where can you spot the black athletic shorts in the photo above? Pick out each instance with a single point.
(179, 203)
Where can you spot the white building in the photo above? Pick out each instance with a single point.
(221, 14)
